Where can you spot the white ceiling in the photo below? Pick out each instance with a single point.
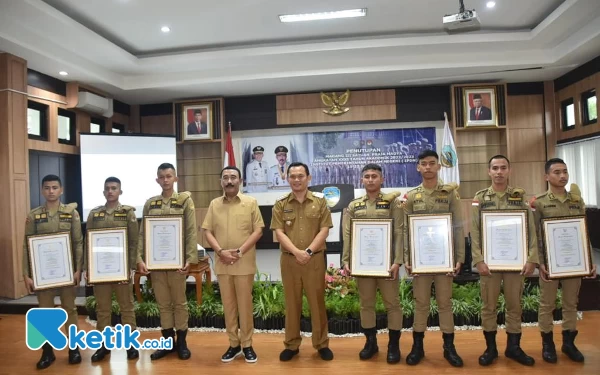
(239, 47)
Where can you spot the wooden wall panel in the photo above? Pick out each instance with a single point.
(528, 176)
(470, 138)
(525, 111)
(550, 119)
(473, 172)
(371, 105)
(478, 154)
(469, 188)
(527, 145)
(157, 124)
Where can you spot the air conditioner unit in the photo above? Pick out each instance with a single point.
(95, 104)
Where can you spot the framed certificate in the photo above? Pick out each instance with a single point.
(431, 244)
(504, 239)
(163, 244)
(371, 247)
(51, 260)
(107, 255)
(567, 247)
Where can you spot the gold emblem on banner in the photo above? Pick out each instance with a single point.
(335, 103)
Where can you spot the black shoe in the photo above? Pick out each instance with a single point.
(491, 352)
(371, 345)
(182, 350)
(393, 353)
(548, 348)
(326, 354)
(231, 353)
(47, 357)
(569, 348)
(417, 352)
(161, 353)
(74, 357)
(288, 354)
(250, 355)
(133, 353)
(450, 351)
(100, 354)
(514, 351)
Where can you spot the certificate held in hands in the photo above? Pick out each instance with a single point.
(567, 247)
(51, 260)
(371, 247)
(107, 255)
(164, 242)
(431, 243)
(504, 239)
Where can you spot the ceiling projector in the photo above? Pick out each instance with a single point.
(464, 20)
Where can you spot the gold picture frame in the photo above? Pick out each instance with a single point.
(51, 260)
(571, 256)
(197, 121)
(107, 255)
(480, 107)
(504, 239)
(169, 253)
(371, 253)
(440, 234)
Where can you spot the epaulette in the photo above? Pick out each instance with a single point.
(517, 192)
(450, 187)
(575, 190)
(482, 191)
(70, 207)
(393, 195)
(125, 207)
(183, 196)
(541, 195)
(96, 208)
(284, 197)
(318, 195)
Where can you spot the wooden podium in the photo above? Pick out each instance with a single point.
(196, 271)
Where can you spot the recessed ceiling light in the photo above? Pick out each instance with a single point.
(323, 15)
(491, 4)
(165, 29)
(63, 73)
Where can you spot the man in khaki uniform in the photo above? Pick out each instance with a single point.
(54, 217)
(301, 221)
(378, 205)
(557, 202)
(500, 196)
(433, 197)
(114, 215)
(233, 225)
(169, 286)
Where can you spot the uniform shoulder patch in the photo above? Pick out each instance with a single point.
(518, 192)
(318, 194)
(70, 207)
(450, 187)
(283, 197)
(393, 195)
(127, 208)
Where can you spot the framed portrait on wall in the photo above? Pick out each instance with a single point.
(197, 121)
(480, 107)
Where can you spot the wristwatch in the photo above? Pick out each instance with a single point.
(309, 252)
(239, 253)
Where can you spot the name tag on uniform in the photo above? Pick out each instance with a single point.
(288, 211)
(175, 204)
(439, 200)
(383, 205)
(575, 207)
(120, 216)
(515, 201)
(65, 217)
(360, 206)
(156, 204)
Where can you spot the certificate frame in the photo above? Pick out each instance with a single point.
(520, 233)
(583, 257)
(379, 229)
(176, 260)
(61, 243)
(418, 221)
(94, 274)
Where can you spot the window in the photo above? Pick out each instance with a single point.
(584, 167)
(118, 128)
(66, 126)
(37, 123)
(589, 107)
(568, 114)
(97, 125)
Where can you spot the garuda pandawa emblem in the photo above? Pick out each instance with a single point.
(335, 103)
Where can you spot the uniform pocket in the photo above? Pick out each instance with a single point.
(64, 226)
(243, 222)
(382, 213)
(289, 219)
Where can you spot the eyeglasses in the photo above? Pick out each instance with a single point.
(227, 178)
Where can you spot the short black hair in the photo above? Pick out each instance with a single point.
(164, 166)
(51, 178)
(298, 164)
(112, 179)
(427, 153)
(498, 157)
(233, 168)
(551, 162)
(372, 167)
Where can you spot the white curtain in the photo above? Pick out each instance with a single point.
(583, 161)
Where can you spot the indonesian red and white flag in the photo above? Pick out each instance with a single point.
(229, 158)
